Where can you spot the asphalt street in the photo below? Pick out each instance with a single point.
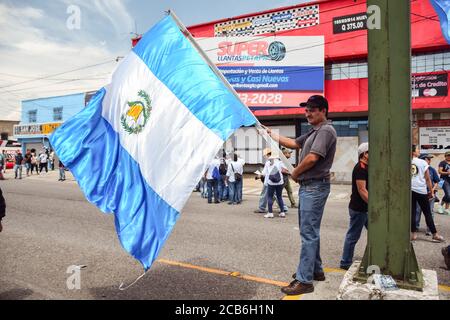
(216, 251)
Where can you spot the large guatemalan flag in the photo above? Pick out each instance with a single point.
(442, 8)
(143, 142)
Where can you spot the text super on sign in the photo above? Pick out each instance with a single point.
(350, 23)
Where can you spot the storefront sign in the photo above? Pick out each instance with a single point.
(434, 139)
(434, 85)
(296, 18)
(350, 23)
(270, 71)
(35, 129)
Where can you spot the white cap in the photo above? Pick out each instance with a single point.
(363, 147)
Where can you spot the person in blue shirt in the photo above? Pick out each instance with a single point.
(434, 182)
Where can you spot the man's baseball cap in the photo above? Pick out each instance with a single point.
(424, 156)
(363, 147)
(447, 153)
(315, 101)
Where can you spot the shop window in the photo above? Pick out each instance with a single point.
(58, 114)
(32, 116)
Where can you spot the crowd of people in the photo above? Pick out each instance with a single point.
(33, 163)
(223, 180)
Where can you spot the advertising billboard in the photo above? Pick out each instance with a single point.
(434, 139)
(270, 71)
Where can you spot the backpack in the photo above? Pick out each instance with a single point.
(223, 168)
(237, 176)
(215, 174)
(275, 176)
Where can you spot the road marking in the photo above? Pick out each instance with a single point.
(444, 287)
(237, 274)
(224, 273)
(292, 297)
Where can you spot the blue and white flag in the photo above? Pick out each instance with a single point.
(442, 8)
(143, 142)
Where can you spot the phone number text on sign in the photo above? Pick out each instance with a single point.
(261, 99)
(274, 98)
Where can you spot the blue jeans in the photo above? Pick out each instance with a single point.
(28, 167)
(213, 187)
(446, 188)
(312, 199)
(18, 167)
(238, 192)
(232, 192)
(223, 189)
(278, 190)
(358, 220)
(419, 213)
(263, 199)
(62, 174)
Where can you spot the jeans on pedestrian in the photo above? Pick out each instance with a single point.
(18, 167)
(287, 186)
(446, 188)
(43, 166)
(238, 191)
(312, 199)
(358, 220)
(277, 190)
(212, 185)
(419, 213)
(221, 187)
(62, 174)
(232, 192)
(28, 167)
(423, 201)
(263, 199)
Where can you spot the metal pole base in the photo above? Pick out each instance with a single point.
(411, 279)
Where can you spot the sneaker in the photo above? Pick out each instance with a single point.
(447, 212)
(440, 210)
(344, 267)
(428, 233)
(296, 288)
(268, 215)
(282, 215)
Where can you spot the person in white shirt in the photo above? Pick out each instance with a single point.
(234, 180)
(240, 185)
(212, 180)
(420, 179)
(273, 179)
(43, 162)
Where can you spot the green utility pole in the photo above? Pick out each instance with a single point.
(389, 55)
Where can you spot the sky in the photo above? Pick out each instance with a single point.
(45, 50)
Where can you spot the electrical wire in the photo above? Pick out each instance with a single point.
(57, 74)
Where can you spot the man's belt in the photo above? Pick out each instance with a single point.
(309, 181)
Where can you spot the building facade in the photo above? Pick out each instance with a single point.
(40, 117)
(7, 129)
(342, 23)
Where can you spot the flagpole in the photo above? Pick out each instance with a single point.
(259, 127)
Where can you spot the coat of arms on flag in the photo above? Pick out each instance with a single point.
(136, 117)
